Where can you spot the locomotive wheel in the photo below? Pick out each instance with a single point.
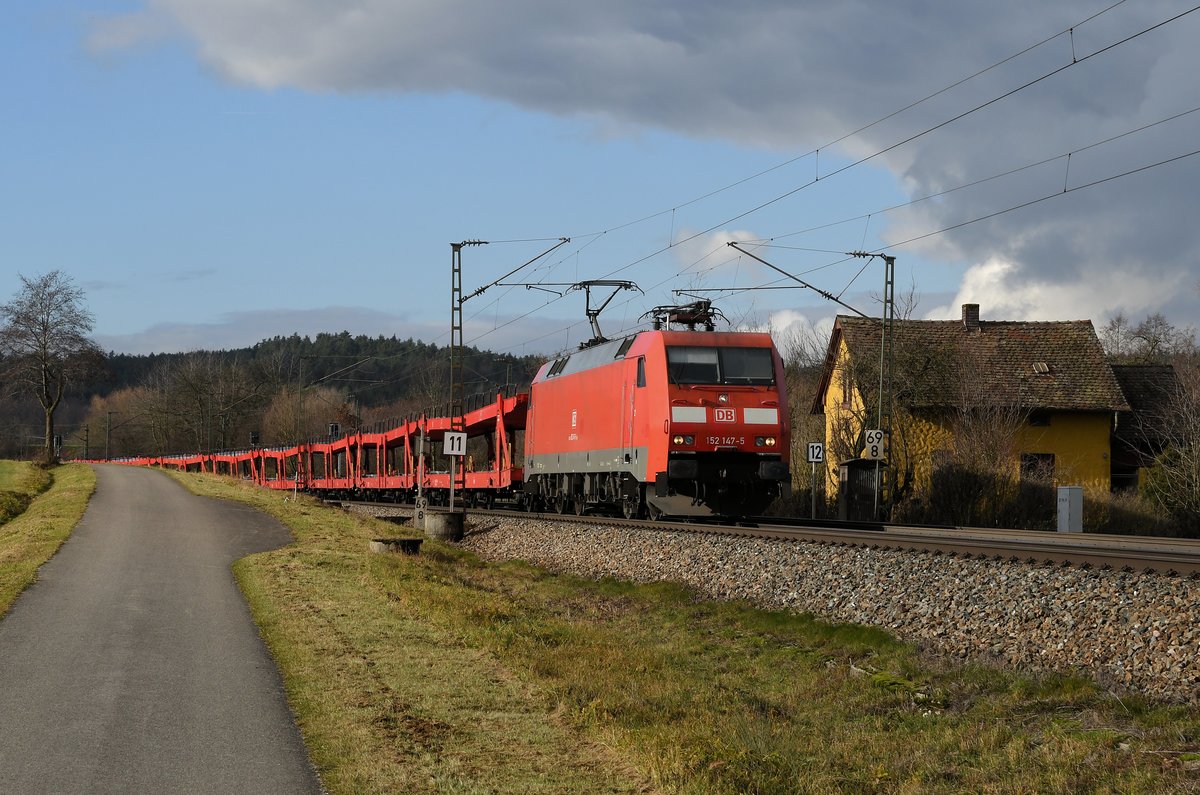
(631, 507)
(560, 503)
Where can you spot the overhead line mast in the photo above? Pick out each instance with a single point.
(887, 361)
(457, 353)
(457, 299)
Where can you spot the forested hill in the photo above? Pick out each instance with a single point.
(282, 390)
(376, 370)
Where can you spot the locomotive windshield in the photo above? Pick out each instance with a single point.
(696, 365)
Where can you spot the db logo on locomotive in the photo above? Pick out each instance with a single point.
(724, 415)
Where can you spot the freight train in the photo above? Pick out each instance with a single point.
(664, 422)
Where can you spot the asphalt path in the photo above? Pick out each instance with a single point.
(133, 665)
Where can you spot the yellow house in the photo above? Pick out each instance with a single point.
(1009, 402)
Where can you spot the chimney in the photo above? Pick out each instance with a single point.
(970, 316)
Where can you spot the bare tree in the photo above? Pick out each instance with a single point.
(1160, 339)
(1117, 337)
(118, 423)
(44, 342)
(1154, 340)
(803, 352)
(202, 402)
(292, 417)
(1173, 482)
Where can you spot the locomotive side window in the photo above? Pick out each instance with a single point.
(641, 373)
(695, 365)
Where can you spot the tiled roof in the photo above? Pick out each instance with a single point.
(1147, 387)
(1037, 365)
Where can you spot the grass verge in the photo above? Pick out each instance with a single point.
(30, 539)
(440, 673)
(20, 482)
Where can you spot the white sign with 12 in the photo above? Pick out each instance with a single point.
(816, 453)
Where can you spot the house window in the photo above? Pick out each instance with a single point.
(1037, 467)
(1039, 418)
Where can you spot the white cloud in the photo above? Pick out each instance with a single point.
(711, 261)
(800, 336)
(1004, 293)
(789, 321)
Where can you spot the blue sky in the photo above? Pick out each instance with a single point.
(213, 173)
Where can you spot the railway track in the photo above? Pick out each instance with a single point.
(1170, 556)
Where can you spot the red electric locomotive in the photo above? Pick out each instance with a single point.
(681, 423)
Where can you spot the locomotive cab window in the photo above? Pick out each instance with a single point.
(693, 365)
(641, 373)
(696, 365)
(747, 366)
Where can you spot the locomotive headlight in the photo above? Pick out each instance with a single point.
(678, 439)
(770, 441)
(689, 439)
(722, 398)
(759, 441)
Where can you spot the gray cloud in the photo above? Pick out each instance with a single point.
(790, 75)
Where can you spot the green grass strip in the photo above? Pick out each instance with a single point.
(20, 482)
(441, 673)
(30, 539)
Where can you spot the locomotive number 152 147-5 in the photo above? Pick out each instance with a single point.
(726, 440)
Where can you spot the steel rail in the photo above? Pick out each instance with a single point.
(1172, 557)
